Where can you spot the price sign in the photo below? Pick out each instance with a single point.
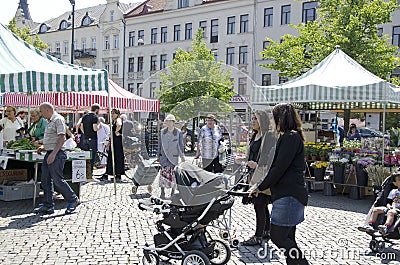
(78, 171)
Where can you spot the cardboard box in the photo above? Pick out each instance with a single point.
(18, 192)
(13, 174)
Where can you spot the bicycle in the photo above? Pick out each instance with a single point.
(102, 154)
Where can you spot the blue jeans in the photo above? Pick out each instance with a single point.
(52, 175)
(287, 211)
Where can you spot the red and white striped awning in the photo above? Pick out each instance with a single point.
(120, 98)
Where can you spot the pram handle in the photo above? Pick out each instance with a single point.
(238, 193)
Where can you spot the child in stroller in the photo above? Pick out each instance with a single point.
(183, 233)
(387, 204)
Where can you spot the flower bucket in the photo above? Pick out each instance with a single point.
(338, 174)
(319, 174)
(361, 176)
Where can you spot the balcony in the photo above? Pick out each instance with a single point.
(55, 54)
(86, 53)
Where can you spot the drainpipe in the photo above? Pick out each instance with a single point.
(123, 54)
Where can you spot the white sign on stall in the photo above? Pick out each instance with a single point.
(78, 171)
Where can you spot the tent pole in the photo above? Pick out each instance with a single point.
(383, 131)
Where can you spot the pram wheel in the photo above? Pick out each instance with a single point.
(224, 234)
(153, 259)
(235, 243)
(221, 253)
(376, 246)
(134, 189)
(195, 257)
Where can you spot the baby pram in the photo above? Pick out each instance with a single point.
(377, 243)
(183, 234)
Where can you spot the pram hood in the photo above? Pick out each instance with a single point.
(197, 186)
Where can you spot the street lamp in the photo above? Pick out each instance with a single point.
(73, 30)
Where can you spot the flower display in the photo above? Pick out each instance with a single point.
(377, 174)
(337, 161)
(352, 144)
(319, 164)
(365, 161)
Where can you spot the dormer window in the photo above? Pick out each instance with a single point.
(43, 28)
(63, 25)
(86, 20)
(183, 3)
(112, 15)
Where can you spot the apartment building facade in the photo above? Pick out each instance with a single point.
(136, 41)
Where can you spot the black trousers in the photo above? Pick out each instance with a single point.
(263, 222)
(285, 237)
(212, 165)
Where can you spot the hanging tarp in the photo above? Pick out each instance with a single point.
(25, 69)
(338, 82)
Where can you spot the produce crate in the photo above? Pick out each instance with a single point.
(17, 192)
(79, 155)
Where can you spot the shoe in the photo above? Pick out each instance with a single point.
(104, 177)
(118, 178)
(253, 241)
(383, 229)
(368, 228)
(266, 235)
(72, 206)
(43, 210)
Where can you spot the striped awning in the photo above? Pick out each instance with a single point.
(25, 69)
(338, 82)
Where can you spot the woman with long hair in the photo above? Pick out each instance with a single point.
(286, 181)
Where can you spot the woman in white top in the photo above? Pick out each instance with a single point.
(10, 124)
(102, 135)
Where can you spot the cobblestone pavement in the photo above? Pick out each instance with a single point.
(110, 229)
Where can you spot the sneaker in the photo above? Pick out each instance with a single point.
(42, 209)
(369, 228)
(72, 206)
(383, 229)
(252, 241)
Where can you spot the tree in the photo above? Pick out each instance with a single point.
(25, 35)
(351, 24)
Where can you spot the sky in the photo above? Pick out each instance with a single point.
(42, 10)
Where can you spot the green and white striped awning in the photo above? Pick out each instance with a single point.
(338, 82)
(25, 69)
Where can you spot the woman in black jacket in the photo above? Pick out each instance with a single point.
(286, 181)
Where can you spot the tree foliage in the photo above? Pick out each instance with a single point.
(194, 74)
(351, 24)
(25, 35)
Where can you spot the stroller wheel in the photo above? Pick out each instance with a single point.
(235, 243)
(224, 234)
(153, 259)
(221, 253)
(373, 245)
(134, 189)
(380, 246)
(195, 257)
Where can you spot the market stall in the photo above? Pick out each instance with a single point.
(25, 69)
(336, 83)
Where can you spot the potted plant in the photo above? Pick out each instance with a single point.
(339, 167)
(319, 169)
(361, 174)
(377, 174)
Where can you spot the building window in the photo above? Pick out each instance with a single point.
(285, 15)
(203, 25)
(214, 31)
(49, 50)
(112, 15)
(107, 66)
(183, 3)
(268, 16)
(106, 43)
(139, 89)
(153, 63)
(283, 79)
(131, 38)
(396, 36)
(266, 44)
(116, 41)
(84, 45)
(93, 43)
(164, 34)
(309, 11)
(244, 23)
(140, 64)
(173, 56)
(177, 32)
(153, 86)
(153, 36)
(43, 28)
(215, 53)
(231, 26)
(163, 61)
(131, 87)
(242, 89)
(266, 80)
(115, 66)
(66, 47)
(188, 31)
(230, 54)
(58, 48)
(63, 25)
(141, 37)
(75, 45)
(243, 55)
(380, 32)
(131, 64)
(86, 21)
